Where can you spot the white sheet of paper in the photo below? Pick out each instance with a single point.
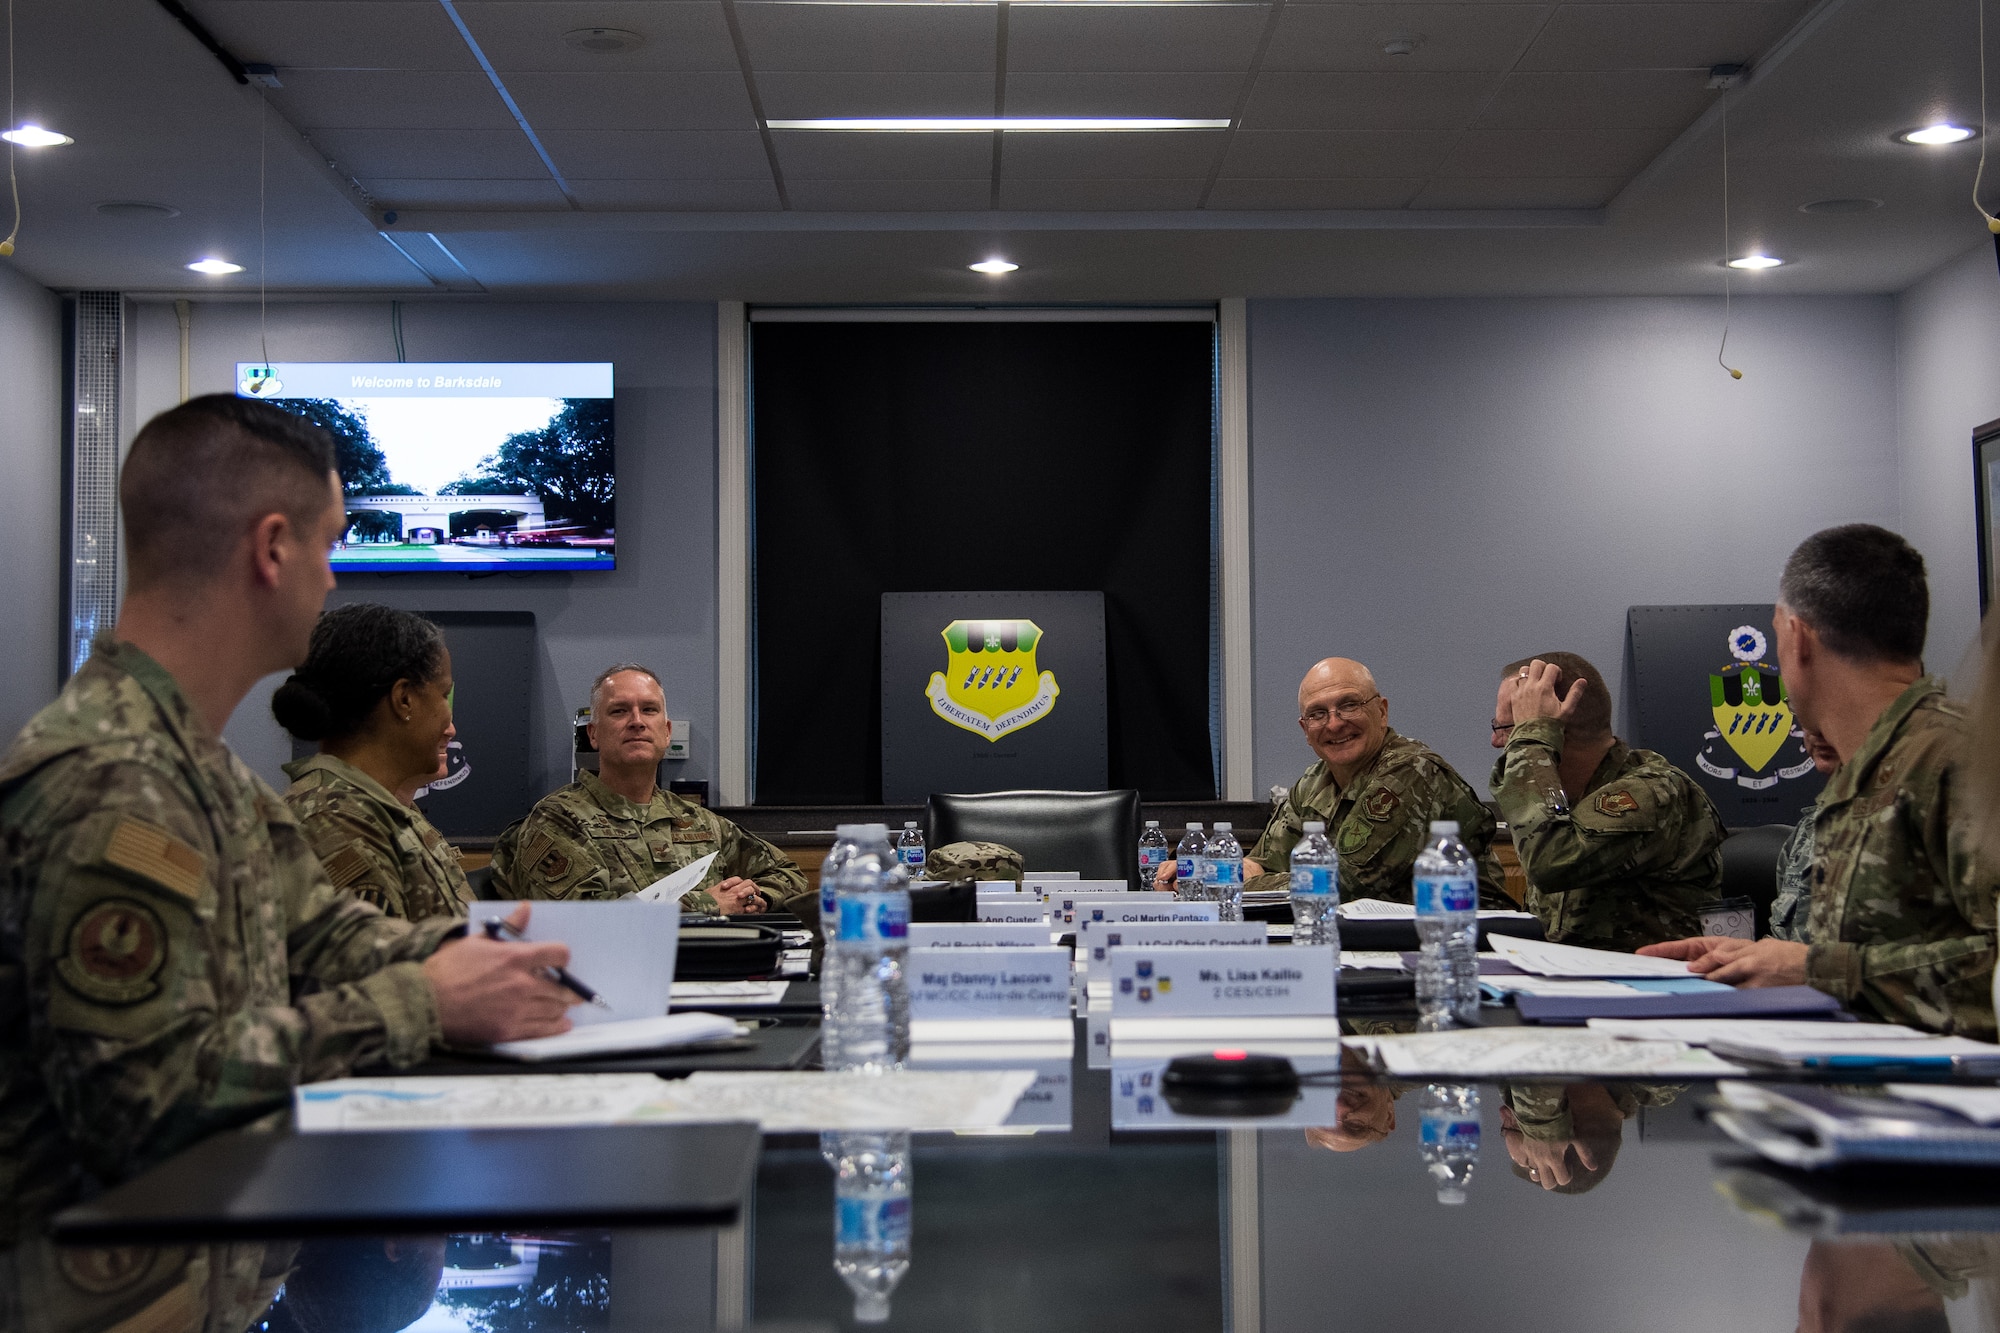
(1382, 909)
(495, 1101)
(1374, 960)
(1533, 1052)
(694, 994)
(1699, 1031)
(672, 888)
(1981, 1105)
(908, 1099)
(1567, 987)
(636, 1034)
(1567, 960)
(623, 950)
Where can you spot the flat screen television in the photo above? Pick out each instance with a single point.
(461, 468)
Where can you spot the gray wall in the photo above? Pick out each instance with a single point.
(1439, 486)
(657, 607)
(31, 463)
(1947, 383)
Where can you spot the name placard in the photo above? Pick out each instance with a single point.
(994, 887)
(978, 935)
(1054, 890)
(988, 983)
(1095, 939)
(1018, 907)
(1128, 908)
(1220, 983)
(1071, 875)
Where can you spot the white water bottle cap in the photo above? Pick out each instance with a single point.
(1221, 827)
(1315, 826)
(1152, 823)
(1193, 827)
(909, 823)
(1445, 826)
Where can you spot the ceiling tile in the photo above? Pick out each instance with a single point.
(1294, 101)
(1249, 193)
(868, 37)
(658, 154)
(1656, 36)
(808, 154)
(1461, 37)
(1574, 153)
(527, 34)
(688, 195)
(1195, 96)
(423, 192)
(890, 196)
(684, 100)
(1335, 155)
(439, 154)
(391, 100)
(1090, 38)
(338, 34)
(1632, 99)
(1167, 154)
(801, 95)
(1100, 195)
(1545, 192)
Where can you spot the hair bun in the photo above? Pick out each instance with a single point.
(301, 709)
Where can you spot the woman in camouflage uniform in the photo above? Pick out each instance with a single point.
(375, 692)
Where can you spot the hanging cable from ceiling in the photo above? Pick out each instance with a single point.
(13, 183)
(1992, 223)
(263, 324)
(1720, 352)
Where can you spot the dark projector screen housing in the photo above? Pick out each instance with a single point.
(462, 467)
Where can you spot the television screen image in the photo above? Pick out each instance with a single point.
(462, 468)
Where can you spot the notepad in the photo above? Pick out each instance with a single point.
(672, 888)
(1959, 1055)
(623, 950)
(1568, 960)
(666, 1032)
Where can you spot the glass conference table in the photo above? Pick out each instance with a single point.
(1662, 1224)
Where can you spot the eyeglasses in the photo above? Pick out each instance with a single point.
(1347, 710)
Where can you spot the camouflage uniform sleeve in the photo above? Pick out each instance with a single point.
(551, 859)
(1792, 908)
(776, 875)
(1942, 982)
(1274, 846)
(141, 1054)
(1610, 833)
(358, 852)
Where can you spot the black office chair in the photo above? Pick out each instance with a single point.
(1095, 833)
(1750, 867)
(483, 887)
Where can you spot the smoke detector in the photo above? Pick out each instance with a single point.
(603, 41)
(1401, 44)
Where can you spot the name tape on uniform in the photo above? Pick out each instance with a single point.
(1095, 939)
(991, 983)
(1238, 981)
(1128, 908)
(979, 935)
(1016, 907)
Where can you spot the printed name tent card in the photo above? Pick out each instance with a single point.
(1096, 939)
(1019, 908)
(1130, 908)
(978, 935)
(1280, 1000)
(988, 984)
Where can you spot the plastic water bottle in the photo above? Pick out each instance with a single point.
(1153, 853)
(1448, 1124)
(1225, 873)
(910, 849)
(870, 1014)
(829, 925)
(1447, 898)
(1187, 864)
(871, 1218)
(1316, 890)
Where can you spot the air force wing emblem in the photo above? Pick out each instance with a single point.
(1753, 717)
(990, 685)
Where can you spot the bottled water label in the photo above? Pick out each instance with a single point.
(913, 857)
(1312, 881)
(1440, 1131)
(1437, 896)
(1186, 868)
(874, 916)
(1225, 872)
(1152, 858)
(874, 1223)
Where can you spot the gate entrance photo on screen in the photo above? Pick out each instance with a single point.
(462, 467)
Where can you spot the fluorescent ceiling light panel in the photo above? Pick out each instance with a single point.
(34, 136)
(1937, 134)
(216, 267)
(1755, 261)
(993, 266)
(987, 124)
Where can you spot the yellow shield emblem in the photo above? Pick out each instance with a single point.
(990, 685)
(1751, 712)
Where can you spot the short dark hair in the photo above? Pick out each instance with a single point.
(1863, 590)
(1593, 717)
(620, 669)
(200, 473)
(358, 652)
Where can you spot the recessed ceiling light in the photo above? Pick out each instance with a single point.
(995, 266)
(1401, 44)
(1840, 206)
(979, 124)
(34, 136)
(1937, 134)
(216, 267)
(1755, 261)
(132, 208)
(603, 41)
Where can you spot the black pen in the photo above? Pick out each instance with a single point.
(494, 925)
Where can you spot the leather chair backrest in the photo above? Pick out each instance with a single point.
(481, 882)
(1750, 867)
(1095, 833)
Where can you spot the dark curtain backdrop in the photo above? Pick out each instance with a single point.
(948, 457)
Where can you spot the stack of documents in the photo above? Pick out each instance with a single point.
(1910, 1124)
(1940, 1055)
(1698, 1031)
(666, 1032)
(1380, 909)
(1567, 960)
(1533, 1053)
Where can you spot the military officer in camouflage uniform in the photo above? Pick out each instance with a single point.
(1377, 792)
(375, 691)
(1791, 910)
(1902, 922)
(1620, 848)
(173, 960)
(614, 832)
